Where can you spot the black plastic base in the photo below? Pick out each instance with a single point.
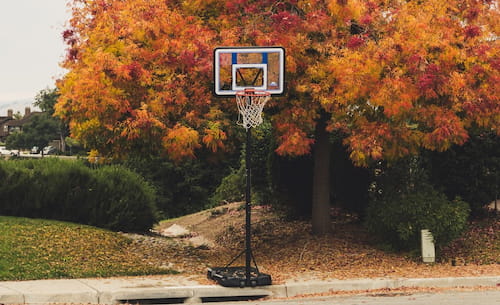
(236, 277)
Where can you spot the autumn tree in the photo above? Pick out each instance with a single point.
(138, 80)
(393, 76)
(413, 76)
(410, 75)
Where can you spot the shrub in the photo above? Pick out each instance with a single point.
(125, 201)
(398, 220)
(109, 197)
(61, 190)
(231, 188)
(15, 193)
(181, 188)
(400, 208)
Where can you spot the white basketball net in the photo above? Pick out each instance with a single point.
(250, 106)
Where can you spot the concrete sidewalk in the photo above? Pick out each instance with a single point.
(175, 289)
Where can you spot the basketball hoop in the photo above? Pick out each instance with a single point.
(252, 75)
(250, 106)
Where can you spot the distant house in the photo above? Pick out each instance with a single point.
(8, 124)
(4, 127)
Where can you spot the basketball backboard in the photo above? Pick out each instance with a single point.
(240, 68)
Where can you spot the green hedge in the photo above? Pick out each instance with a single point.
(110, 197)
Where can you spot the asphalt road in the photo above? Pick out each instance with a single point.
(444, 298)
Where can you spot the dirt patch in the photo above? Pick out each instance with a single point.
(210, 224)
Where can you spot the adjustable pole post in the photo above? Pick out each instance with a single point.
(248, 247)
(232, 277)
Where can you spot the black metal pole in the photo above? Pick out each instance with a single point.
(248, 247)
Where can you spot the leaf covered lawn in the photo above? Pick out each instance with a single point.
(40, 249)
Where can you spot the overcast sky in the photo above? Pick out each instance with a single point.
(31, 46)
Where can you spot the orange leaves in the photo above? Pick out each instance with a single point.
(132, 71)
(141, 123)
(446, 128)
(181, 142)
(95, 157)
(431, 84)
(294, 127)
(132, 54)
(396, 95)
(214, 137)
(393, 75)
(293, 141)
(484, 111)
(364, 66)
(367, 142)
(382, 140)
(346, 10)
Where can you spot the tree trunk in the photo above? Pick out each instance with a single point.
(63, 141)
(321, 222)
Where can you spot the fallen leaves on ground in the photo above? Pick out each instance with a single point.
(39, 249)
(288, 251)
(478, 245)
(34, 249)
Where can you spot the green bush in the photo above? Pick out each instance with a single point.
(232, 188)
(109, 197)
(181, 188)
(124, 200)
(15, 190)
(398, 220)
(404, 203)
(61, 190)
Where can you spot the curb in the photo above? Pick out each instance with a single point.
(139, 290)
(295, 289)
